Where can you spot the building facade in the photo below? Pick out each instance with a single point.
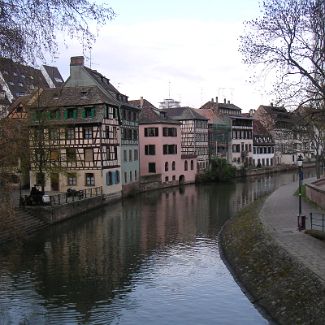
(194, 131)
(128, 114)
(74, 140)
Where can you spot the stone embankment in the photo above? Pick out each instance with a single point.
(277, 282)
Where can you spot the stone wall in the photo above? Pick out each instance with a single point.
(275, 282)
(58, 213)
(315, 192)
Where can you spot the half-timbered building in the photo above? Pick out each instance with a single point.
(75, 140)
(194, 129)
(80, 75)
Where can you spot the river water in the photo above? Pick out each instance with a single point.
(152, 259)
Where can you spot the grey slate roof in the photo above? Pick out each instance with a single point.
(184, 113)
(149, 115)
(71, 97)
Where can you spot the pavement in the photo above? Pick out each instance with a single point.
(279, 216)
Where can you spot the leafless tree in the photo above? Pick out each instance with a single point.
(29, 28)
(288, 40)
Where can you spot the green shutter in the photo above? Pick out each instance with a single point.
(92, 112)
(75, 113)
(34, 116)
(65, 114)
(58, 114)
(83, 113)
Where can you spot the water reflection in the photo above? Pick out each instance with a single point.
(149, 259)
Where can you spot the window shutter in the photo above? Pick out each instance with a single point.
(93, 112)
(107, 179)
(58, 114)
(75, 112)
(84, 113)
(65, 114)
(49, 115)
(114, 178)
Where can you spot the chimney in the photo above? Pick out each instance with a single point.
(271, 104)
(77, 60)
(228, 101)
(212, 100)
(224, 100)
(141, 101)
(217, 100)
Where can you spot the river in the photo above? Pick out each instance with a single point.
(152, 259)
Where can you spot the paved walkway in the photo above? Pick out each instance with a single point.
(279, 215)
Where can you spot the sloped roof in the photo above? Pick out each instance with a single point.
(21, 79)
(184, 113)
(259, 129)
(150, 115)
(71, 97)
(55, 75)
(216, 105)
(142, 103)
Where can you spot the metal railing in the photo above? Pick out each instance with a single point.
(317, 221)
(64, 198)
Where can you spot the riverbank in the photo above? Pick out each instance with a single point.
(277, 281)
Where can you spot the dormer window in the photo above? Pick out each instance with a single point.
(20, 84)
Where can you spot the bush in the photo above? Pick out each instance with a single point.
(220, 170)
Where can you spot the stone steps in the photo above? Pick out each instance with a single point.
(21, 225)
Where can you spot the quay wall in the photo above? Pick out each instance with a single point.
(315, 192)
(276, 282)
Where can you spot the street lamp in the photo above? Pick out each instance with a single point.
(301, 219)
(19, 172)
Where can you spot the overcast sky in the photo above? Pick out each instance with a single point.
(188, 49)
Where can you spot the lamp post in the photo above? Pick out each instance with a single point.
(19, 174)
(301, 219)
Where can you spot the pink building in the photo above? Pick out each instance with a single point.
(160, 148)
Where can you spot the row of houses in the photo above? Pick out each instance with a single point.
(85, 133)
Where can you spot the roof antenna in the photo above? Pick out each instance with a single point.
(169, 89)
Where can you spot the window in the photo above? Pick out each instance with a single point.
(125, 156)
(169, 132)
(88, 112)
(54, 155)
(166, 166)
(88, 133)
(54, 134)
(135, 135)
(150, 149)
(130, 155)
(111, 152)
(135, 175)
(151, 132)
(130, 176)
(170, 149)
(166, 179)
(109, 178)
(125, 177)
(152, 167)
(112, 177)
(136, 154)
(173, 165)
(71, 154)
(69, 133)
(90, 179)
(110, 132)
(70, 113)
(185, 165)
(192, 165)
(72, 179)
(89, 154)
(174, 178)
(54, 115)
